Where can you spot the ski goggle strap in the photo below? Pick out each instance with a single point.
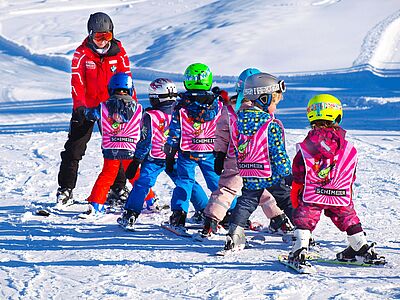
(163, 96)
(102, 36)
(279, 87)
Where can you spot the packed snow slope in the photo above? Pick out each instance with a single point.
(347, 48)
(62, 257)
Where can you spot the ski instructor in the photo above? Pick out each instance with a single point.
(95, 61)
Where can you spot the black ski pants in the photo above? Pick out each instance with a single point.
(248, 202)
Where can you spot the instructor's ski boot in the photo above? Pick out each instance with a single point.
(128, 219)
(64, 197)
(280, 225)
(365, 253)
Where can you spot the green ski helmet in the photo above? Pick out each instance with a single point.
(198, 77)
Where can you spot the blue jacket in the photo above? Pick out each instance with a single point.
(249, 122)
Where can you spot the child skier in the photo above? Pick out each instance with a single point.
(323, 175)
(230, 182)
(192, 135)
(149, 152)
(120, 119)
(258, 139)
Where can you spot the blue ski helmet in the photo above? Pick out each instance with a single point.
(240, 84)
(120, 81)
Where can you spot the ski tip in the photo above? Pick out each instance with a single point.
(43, 213)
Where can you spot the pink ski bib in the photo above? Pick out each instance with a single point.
(159, 131)
(196, 136)
(252, 152)
(330, 182)
(120, 136)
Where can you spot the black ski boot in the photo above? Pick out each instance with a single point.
(178, 218)
(118, 196)
(64, 197)
(280, 225)
(210, 228)
(128, 219)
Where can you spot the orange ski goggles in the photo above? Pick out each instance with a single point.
(102, 36)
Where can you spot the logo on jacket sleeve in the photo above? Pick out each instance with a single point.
(90, 65)
(113, 69)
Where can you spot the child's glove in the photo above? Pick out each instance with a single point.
(170, 157)
(92, 114)
(219, 162)
(132, 168)
(297, 188)
(78, 115)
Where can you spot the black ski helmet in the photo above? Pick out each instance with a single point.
(99, 22)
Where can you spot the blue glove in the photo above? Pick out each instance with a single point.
(92, 114)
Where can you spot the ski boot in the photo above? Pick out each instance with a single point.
(177, 222)
(118, 196)
(94, 211)
(64, 197)
(359, 251)
(152, 205)
(210, 228)
(198, 217)
(299, 253)
(128, 219)
(280, 225)
(235, 239)
(224, 223)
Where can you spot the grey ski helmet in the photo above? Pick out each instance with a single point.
(99, 22)
(259, 88)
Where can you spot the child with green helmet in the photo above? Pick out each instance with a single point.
(192, 135)
(323, 176)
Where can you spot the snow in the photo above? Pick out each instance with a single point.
(347, 48)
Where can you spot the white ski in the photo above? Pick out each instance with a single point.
(302, 268)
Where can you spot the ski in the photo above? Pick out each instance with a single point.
(56, 209)
(378, 262)
(302, 268)
(176, 230)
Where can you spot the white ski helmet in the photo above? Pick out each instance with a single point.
(162, 90)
